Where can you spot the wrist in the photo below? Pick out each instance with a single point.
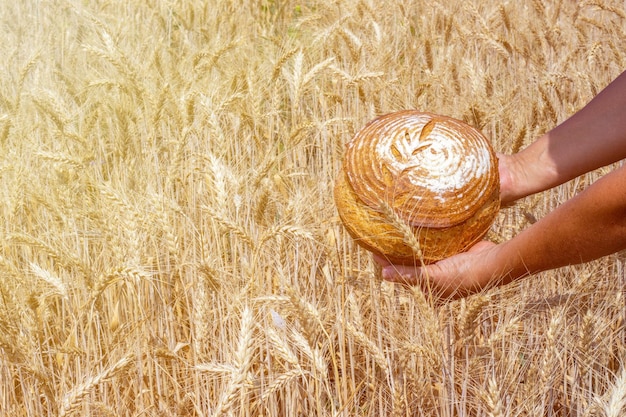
(493, 268)
(508, 263)
(527, 172)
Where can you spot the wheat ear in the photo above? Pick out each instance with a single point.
(71, 401)
(492, 400)
(616, 398)
(243, 360)
(407, 234)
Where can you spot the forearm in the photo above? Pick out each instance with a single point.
(593, 137)
(587, 227)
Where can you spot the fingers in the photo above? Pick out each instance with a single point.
(454, 277)
(401, 274)
(415, 276)
(381, 260)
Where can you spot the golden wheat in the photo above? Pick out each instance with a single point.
(169, 244)
(72, 399)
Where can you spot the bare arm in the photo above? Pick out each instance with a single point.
(589, 226)
(593, 137)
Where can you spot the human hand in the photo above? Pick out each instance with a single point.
(454, 277)
(467, 272)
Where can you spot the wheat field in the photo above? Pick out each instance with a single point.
(169, 242)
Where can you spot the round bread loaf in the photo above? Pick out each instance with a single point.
(421, 173)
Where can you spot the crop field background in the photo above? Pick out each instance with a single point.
(169, 245)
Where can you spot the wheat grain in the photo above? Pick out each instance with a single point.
(231, 227)
(519, 141)
(51, 279)
(312, 73)
(616, 396)
(242, 361)
(469, 317)
(320, 367)
(398, 402)
(281, 62)
(217, 368)
(212, 57)
(59, 255)
(428, 55)
(308, 316)
(407, 234)
(549, 108)
(491, 399)
(500, 46)
(586, 341)
(280, 382)
(281, 347)
(64, 159)
(49, 105)
(376, 353)
(606, 7)
(262, 202)
(102, 409)
(71, 400)
(503, 332)
(504, 15)
(546, 371)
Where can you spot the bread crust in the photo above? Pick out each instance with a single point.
(438, 175)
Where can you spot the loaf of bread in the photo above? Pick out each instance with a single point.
(421, 173)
